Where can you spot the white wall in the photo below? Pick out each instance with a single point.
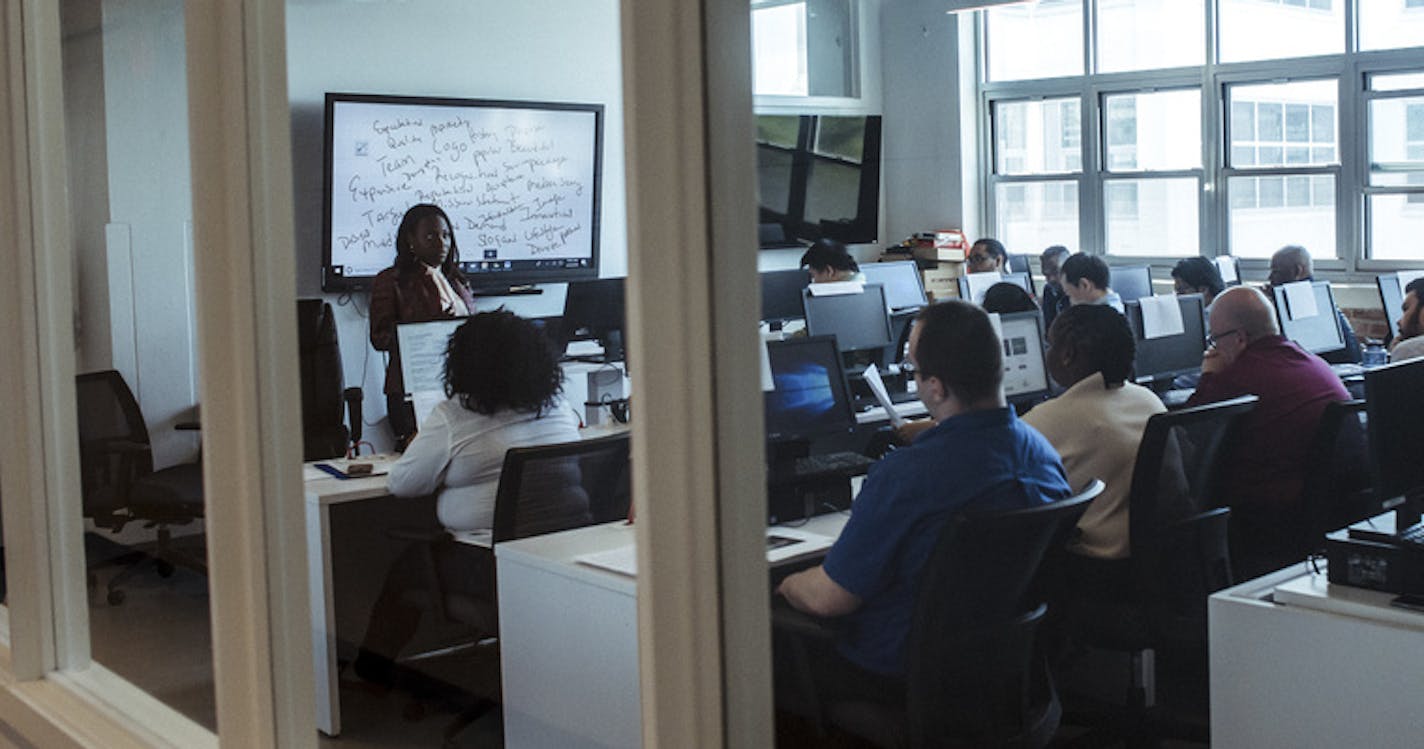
(541, 50)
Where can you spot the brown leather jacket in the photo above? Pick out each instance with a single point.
(412, 299)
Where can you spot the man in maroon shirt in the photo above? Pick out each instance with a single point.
(1264, 470)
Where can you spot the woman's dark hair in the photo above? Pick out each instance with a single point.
(1005, 297)
(498, 360)
(958, 345)
(1199, 273)
(828, 253)
(406, 261)
(1082, 265)
(1099, 338)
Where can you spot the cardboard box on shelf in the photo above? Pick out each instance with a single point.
(942, 281)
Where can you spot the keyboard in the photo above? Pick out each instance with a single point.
(831, 464)
(1347, 370)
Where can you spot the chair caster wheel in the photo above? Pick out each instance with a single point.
(165, 569)
(116, 597)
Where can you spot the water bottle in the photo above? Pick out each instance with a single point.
(1375, 355)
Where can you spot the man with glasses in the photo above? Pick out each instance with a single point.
(987, 256)
(1264, 471)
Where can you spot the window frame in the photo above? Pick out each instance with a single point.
(1213, 79)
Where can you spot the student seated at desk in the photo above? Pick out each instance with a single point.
(503, 378)
(1293, 263)
(870, 575)
(829, 261)
(1097, 424)
(1087, 280)
(1410, 342)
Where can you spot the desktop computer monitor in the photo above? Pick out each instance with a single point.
(859, 322)
(1025, 375)
(1394, 406)
(781, 294)
(1392, 297)
(1131, 282)
(901, 279)
(1168, 356)
(811, 397)
(594, 309)
(1319, 333)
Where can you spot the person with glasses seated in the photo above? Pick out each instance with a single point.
(1264, 468)
(987, 255)
(868, 580)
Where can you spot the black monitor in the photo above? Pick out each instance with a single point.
(781, 294)
(594, 309)
(1168, 356)
(1131, 282)
(1394, 396)
(1025, 375)
(901, 279)
(1320, 333)
(810, 398)
(1392, 297)
(1022, 280)
(859, 321)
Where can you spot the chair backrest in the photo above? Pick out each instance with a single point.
(1337, 473)
(548, 488)
(970, 672)
(113, 441)
(324, 433)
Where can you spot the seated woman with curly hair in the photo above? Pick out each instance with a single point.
(503, 380)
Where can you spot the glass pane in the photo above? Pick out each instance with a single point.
(1396, 81)
(774, 178)
(1156, 131)
(843, 137)
(1052, 29)
(1149, 34)
(1034, 215)
(1152, 216)
(1297, 28)
(1270, 212)
(1279, 124)
(126, 110)
(1396, 223)
(1396, 140)
(1391, 24)
(1038, 137)
(779, 130)
(779, 50)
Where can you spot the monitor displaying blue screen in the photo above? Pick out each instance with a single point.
(810, 396)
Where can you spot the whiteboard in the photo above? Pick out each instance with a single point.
(518, 180)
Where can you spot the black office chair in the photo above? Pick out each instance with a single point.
(119, 483)
(1018, 263)
(975, 677)
(542, 489)
(324, 433)
(1337, 478)
(1179, 556)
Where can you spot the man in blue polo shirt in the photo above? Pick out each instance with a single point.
(872, 573)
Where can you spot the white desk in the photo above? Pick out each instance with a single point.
(569, 639)
(1298, 662)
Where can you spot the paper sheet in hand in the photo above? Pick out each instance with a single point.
(768, 382)
(1161, 316)
(877, 387)
(833, 288)
(979, 283)
(1227, 267)
(1300, 300)
(623, 560)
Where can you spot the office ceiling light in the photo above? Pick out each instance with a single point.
(964, 6)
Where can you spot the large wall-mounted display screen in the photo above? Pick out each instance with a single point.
(519, 180)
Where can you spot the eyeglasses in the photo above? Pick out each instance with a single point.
(1214, 338)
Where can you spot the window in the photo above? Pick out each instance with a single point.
(804, 48)
(1276, 116)
(779, 50)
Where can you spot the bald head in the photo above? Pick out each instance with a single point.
(1245, 309)
(1291, 263)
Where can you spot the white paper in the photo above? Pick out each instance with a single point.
(1406, 276)
(768, 382)
(623, 560)
(979, 283)
(998, 326)
(787, 543)
(833, 288)
(425, 401)
(1227, 266)
(1300, 300)
(1161, 316)
(877, 388)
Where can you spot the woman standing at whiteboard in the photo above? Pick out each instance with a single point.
(424, 283)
